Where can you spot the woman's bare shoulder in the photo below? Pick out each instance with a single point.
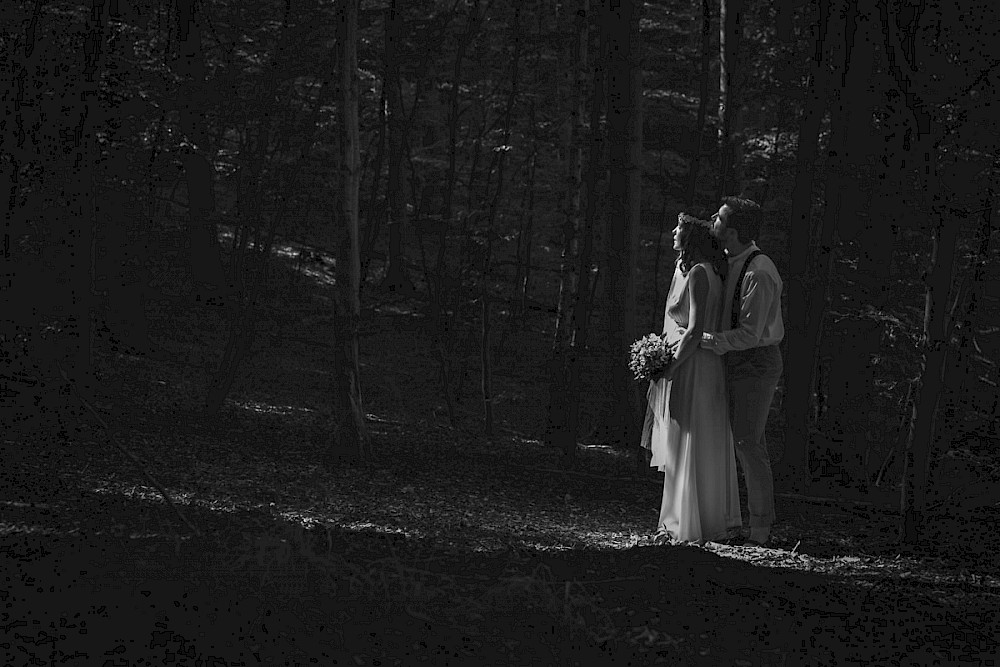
(698, 277)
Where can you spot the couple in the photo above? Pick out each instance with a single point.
(724, 313)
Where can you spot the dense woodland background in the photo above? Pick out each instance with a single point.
(483, 193)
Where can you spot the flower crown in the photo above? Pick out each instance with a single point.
(690, 219)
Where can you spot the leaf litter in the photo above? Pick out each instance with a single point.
(450, 546)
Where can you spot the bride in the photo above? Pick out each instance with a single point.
(686, 429)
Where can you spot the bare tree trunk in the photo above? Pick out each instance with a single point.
(584, 303)
(731, 78)
(820, 262)
(959, 381)
(443, 283)
(800, 356)
(661, 224)
(876, 245)
(558, 432)
(205, 253)
(842, 202)
(350, 436)
(572, 165)
(706, 75)
(526, 239)
(14, 306)
(923, 426)
(851, 393)
(396, 279)
(83, 197)
(249, 257)
(374, 213)
(922, 436)
(625, 169)
(486, 297)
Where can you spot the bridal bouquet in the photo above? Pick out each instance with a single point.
(650, 355)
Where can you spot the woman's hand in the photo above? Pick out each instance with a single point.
(669, 371)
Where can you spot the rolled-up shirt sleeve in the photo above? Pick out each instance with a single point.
(759, 292)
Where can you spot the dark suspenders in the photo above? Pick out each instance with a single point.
(739, 288)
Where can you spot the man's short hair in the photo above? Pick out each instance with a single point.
(745, 216)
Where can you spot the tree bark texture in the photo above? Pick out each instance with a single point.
(82, 197)
(350, 437)
(396, 279)
(922, 436)
(851, 392)
(800, 354)
(248, 262)
(486, 357)
(622, 233)
(923, 426)
(703, 90)
(584, 303)
(560, 433)
(732, 16)
(444, 284)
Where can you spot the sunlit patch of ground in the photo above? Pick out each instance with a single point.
(463, 509)
(264, 408)
(406, 309)
(451, 529)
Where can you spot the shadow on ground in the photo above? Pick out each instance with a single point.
(256, 589)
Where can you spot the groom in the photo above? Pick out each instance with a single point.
(749, 336)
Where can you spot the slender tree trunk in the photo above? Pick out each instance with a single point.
(850, 378)
(350, 436)
(820, 256)
(465, 40)
(396, 279)
(375, 214)
(731, 78)
(852, 393)
(572, 165)
(248, 263)
(851, 386)
(922, 436)
(964, 320)
(923, 426)
(443, 288)
(661, 224)
(205, 253)
(584, 303)
(486, 297)
(794, 464)
(625, 169)
(706, 77)
(558, 427)
(527, 239)
(83, 200)
(14, 304)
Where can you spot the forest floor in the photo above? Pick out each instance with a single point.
(448, 548)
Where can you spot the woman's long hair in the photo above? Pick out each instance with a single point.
(698, 245)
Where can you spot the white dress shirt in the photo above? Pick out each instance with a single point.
(760, 322)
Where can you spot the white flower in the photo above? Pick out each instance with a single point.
(650, 355)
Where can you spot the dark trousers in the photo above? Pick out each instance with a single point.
(752, 376)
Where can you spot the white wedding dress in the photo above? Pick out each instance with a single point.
(687, 429)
